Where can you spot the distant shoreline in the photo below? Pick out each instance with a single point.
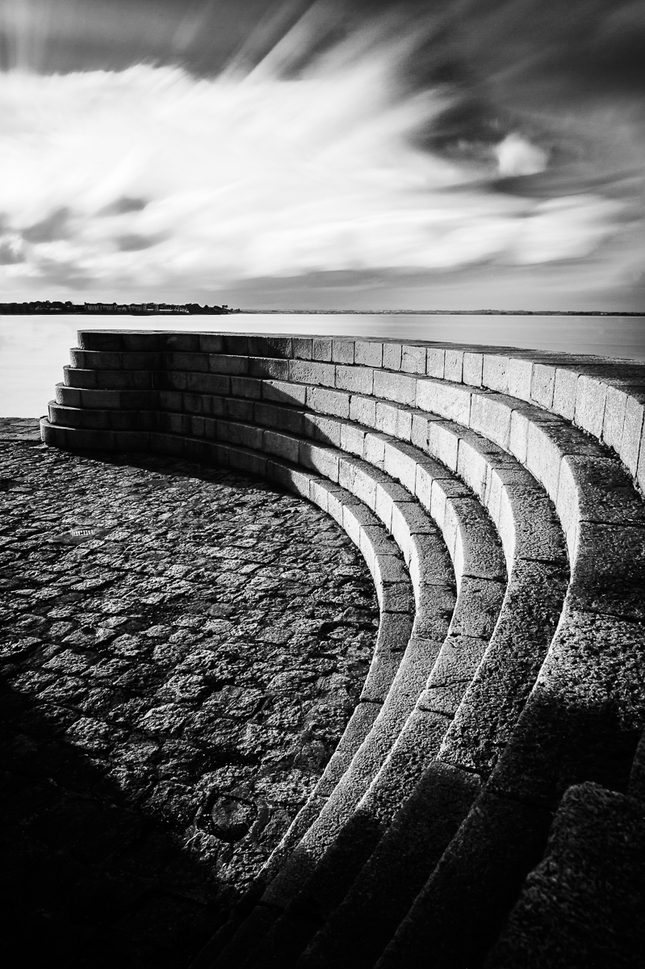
(329, 312)
(443, 312)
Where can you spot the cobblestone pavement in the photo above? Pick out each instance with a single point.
(181, 649)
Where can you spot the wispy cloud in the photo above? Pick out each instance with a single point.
(336, 151)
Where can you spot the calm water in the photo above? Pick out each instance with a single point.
(34, 349)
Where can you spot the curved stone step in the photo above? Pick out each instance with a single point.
(404, 762)
(585, 711)
(583, 904)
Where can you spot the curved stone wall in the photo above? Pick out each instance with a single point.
(506, 687)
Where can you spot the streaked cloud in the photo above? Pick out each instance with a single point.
(404, 142)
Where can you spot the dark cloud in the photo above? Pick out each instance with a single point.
(132, 242)
(66, 275)
(54, 226)
(9, 255)
(122, 205)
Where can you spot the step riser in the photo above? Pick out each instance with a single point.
(257, 402)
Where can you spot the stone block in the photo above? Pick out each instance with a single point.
(210, 428)
(144, 340)
(321, 349)
(614, 416)
(193, 362)
(52, 435)
(419, 429)
(454, 365)
(473, 368)
(589, 412)
(165, 443)
(543, 385)
(172, 341)
(543, 457)
(337, 500)
(312, 372)
(564, 392)
(302, 347)
(401, 464)
(456, 665)
(282, 445)
(318, 458)
(280, 418)
(269, 367)
(508, 375)
(358, 380)
(435, 362)
(450, 401)
(363, 410)
(92, 440)
(352, 439)
(91, 399)
(246, 435)
(394, 634)
(334, 402)
(392, 353)
(238, 386)
(609, 571)
(193, 403)
(124, 420)
(386, 417)
(248, 461)
(374, 452)
(368, 353)
(223, 363)
(270, 346)
(211, 343)
(235, 343)
(294, 479)
(443, 444)
(342, 351)
(633, 428)
(100, 340)
(562, 919)
(69, 396)
(204, 383)
(284, 392)
(179, 380)
(428, 562)
(491, 416)
(528, 526)
(237, 409)
(413, 359)
(131, 440)
(322, 428)
(473, 465)
(395, 386)
(355, 517)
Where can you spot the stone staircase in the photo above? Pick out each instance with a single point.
(496, 497)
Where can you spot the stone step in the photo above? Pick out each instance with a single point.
(605, 398)
(419, 738)
(565, 709)
(583, 904)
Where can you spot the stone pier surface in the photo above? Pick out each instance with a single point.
(181, 650)
(485, 804)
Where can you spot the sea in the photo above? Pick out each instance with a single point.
(34, 349)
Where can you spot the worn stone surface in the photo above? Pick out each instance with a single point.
(181, 650)
(582, 906)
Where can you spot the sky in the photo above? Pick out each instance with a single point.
(455, 154)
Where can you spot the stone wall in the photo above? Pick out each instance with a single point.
(499, 723)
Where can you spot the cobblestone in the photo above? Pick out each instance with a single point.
(179, 661)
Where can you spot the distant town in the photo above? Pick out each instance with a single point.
(46, 306)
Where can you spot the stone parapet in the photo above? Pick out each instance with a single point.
(496, 497)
